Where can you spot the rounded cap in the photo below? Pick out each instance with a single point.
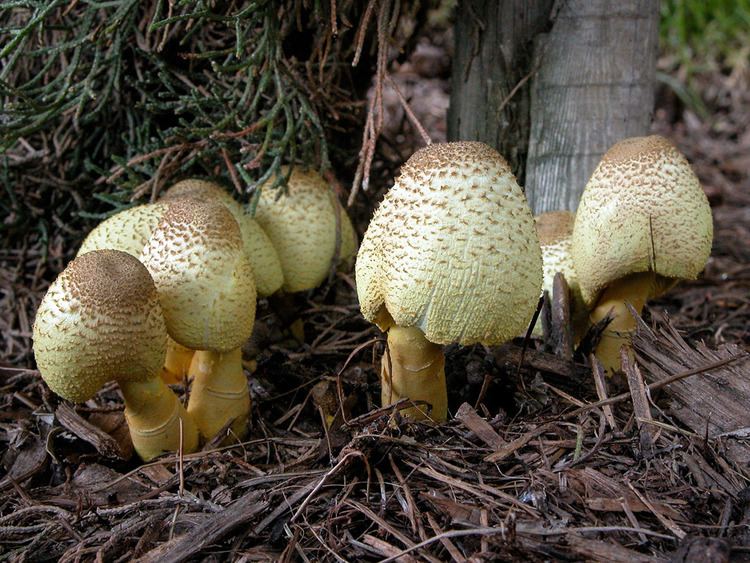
(452, 249)
(258, 247)
(642, 210)
(302, 228)
(127, 230)
(99, 321)
(204, 279)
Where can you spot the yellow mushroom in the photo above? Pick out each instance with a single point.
(128, 231)
(450, 256)
(643, 223)
(206, 290)
(101, 321)
(302, 228)
(258, 247)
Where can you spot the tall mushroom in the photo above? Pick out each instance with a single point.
(450, 256)
(207, 293)
(101, 321)
(643, 224)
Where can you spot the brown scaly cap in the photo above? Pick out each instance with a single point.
(642, 210)
(258, 247)
(100, 320)
(452, 249)
(203, 276)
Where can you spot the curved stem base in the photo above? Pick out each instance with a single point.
(635, 289)
(219, 393)
(153, 413)
(416, 371)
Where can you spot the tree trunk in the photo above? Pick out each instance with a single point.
(493, 55)
(595, 86)
(553, 88)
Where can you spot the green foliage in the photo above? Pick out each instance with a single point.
(103, 101)
(706, 34)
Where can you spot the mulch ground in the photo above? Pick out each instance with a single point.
(542, 459)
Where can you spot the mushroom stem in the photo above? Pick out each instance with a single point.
(219, 392)
(416, 370)
(177, 362)
(635, 289)
(153, 413)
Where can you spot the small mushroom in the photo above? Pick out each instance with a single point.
(207, 293)
(128, 231)
(643, 223)
(450, 256)
(302, 228)
(101, 321)
(555, 231)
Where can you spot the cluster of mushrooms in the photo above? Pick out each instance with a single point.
(453, 254)
(168, 290)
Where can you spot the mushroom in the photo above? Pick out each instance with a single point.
(128, 231)
(302, 228)
(555, 231)
(643, 223)
(258, 247)
(101, 321)
(450, 256)
(206, 290)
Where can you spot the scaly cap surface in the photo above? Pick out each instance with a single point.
(203, 276)
(258, 247)
(127, 230)
(642, 210)
(452, 248)
(100, 320)
(302, 228)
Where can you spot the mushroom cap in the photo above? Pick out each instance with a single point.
(555, 231)
(203, 276)
(127, 230)
(258, 247)
(452, 249)
(642, 210)
(99, 321)
(302, 227)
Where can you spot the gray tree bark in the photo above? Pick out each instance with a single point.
(493, 55)
(595, 86)
(591, 65)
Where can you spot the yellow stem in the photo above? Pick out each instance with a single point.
(635, 289)
(219, 392)
(416, 370)
(177, 362)
(153, 413)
